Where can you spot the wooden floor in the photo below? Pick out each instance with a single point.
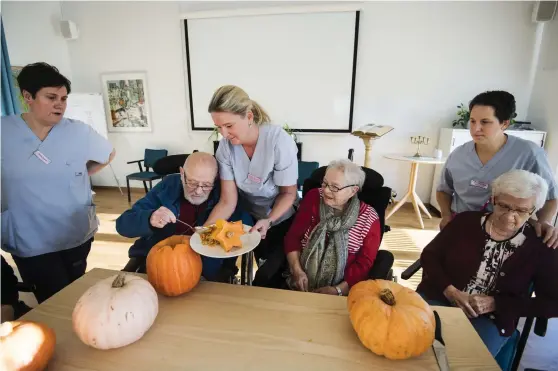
(405, 240)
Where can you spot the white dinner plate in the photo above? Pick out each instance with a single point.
(249, 243)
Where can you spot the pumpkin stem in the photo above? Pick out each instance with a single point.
(119, 281)
(387, 297)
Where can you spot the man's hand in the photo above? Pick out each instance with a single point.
(261, 226)
(460, 299)
(548, 232)
(301, 280)
(445, 220)
(161, 217)
(328, 290)
(482, 304)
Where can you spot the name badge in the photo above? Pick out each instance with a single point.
(42, 157)
(254, 178)
(477, 184)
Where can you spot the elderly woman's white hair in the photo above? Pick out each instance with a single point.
(353, 174)
(521, 184)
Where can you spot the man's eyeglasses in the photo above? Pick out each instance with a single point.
(504, 209)
(194, 185)
(335, 189)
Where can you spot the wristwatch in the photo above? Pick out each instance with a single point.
(339, 292)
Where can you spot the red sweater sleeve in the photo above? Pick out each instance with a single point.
(358, 270)
(305, 218)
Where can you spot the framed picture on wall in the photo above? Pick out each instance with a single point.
(127, 102)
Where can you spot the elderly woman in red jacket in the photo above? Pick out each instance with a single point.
(334, 238)
(485, 263)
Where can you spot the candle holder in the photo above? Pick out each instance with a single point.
(418, 140)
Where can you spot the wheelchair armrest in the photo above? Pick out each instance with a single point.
(24, 287)
(411, 270)
(382, 266)
(540, 326)
(134, 265)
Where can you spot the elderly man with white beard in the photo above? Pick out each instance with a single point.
(187, 197)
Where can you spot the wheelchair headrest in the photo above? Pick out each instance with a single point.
(372, 181)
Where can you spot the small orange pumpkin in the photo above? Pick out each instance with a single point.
(391, 320)
(228, 234)
(25, 345)
(173, 268)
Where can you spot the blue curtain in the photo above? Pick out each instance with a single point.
(10, 102)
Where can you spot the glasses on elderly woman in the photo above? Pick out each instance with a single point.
(335, 189)
(504, 209)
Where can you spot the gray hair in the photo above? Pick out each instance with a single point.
(521, 184)
(353, 173)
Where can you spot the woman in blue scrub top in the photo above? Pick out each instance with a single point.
(48, 218)
(472, 167)
(258, 167)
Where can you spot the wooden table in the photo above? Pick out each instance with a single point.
(232, 327)
(411, 191)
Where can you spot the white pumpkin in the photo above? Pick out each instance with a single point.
(115, 312)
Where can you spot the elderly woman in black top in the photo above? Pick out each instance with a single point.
(486, 263)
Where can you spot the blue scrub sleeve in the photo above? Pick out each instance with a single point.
(446, 179)
(542, 167)
(285, 169)
(98, 147)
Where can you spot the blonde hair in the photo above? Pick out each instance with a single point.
(232, 99)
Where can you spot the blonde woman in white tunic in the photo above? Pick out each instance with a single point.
(258, 167)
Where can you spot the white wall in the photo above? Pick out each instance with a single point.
(33, 34)
(543, 110)
(416, 62)
(136, 36)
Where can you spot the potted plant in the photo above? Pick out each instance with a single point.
(292, 132)
(215, 136)
(462, 117)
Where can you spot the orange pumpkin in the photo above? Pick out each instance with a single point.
(25, 345)
(391, 320)
(228, 234)
(173, 268)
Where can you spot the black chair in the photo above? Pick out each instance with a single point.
(510, 355)
(151, 156)
(374, 194)
(170, 164)
(164, 166)
(11, 288)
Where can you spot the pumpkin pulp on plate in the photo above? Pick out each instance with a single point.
(226, 234)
